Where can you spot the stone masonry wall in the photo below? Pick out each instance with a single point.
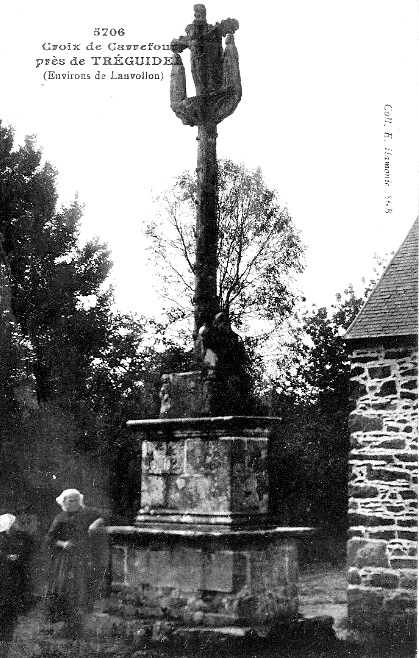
(382, 546)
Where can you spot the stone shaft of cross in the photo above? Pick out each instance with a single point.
(216, 75)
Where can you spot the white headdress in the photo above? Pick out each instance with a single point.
(69, 492)
(6, 522)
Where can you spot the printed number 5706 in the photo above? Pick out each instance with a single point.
(105, 31)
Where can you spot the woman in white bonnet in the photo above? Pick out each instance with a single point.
(73, 577)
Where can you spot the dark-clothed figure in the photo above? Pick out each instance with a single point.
(76, 569)
(16, 549)
(224, 361)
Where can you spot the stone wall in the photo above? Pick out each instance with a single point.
(382, 546)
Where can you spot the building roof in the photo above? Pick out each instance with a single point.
(392, 308)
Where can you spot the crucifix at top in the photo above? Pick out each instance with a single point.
(216, 75)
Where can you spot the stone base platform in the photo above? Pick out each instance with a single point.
(296, 638)
(211, 578)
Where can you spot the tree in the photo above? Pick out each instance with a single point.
(93, 368)
(311, 451)
(259, 249)
(57, 287)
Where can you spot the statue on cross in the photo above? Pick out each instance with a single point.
(215, 71)
(205, 44)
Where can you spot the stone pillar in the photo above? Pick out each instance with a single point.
(382, 548)
(206, 300)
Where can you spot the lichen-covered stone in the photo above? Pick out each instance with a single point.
(360, 423)
(409, 581)
(359, 491)
(368, 554)
(386, 580)
(379, 372)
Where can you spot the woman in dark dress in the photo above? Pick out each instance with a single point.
(75, 569)
(16, 548)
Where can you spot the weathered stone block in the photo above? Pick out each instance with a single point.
(408, 535)
(404, 563)
(365, 608)
(409, 581)
(379, 372)
(220, 569)
(408, 494)
(386, 580)
(388, 535)
(388, 388)
(359, 491)
(400, 603)
(353, 577)
(370, 520)
(408, 395)
(152, 493)
(368, 455)
(362, 423)
(389, 475)
(395, 509)
(391, 444)
(397, 353)
(183, 395)
(357, 389)
(364, 553)
(407, 457)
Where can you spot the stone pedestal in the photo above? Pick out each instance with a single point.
(203, 548)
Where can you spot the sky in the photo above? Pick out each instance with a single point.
(328, 86)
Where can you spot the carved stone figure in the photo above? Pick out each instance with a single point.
(224, 366)
(165, 395)
(205, 44)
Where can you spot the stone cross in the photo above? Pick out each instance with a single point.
(216, 75)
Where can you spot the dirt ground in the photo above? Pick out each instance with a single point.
(323, 592)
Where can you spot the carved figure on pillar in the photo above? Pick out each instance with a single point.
(207, 61)
(226, 378)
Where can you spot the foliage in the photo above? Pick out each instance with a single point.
(57, 293)
(259, 248)
(312, 443)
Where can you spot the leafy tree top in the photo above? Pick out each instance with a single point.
(259, 248)
(50, 273)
